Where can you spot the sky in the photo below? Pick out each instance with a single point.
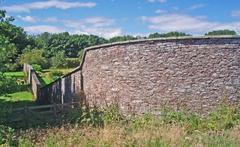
(109, 18)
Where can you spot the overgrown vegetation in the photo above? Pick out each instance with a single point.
(107, 127)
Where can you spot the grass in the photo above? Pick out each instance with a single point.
(18, 98)
(48, 79)
(17, 74)
(108, 127)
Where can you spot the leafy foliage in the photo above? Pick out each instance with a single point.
(71, 45)
(170, 34)
(37, 67)
(221, 32)
(6, 135)
(55, 74)
(7, 85)
(7, 53)
(34, 57)
(122, 38)
(59, 60)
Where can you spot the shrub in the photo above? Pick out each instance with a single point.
(34, 57)
(37, 67)
(13, 67)
(55, 74)
(6, 136)
(59, 60)
(72, 62)
(8, 85)
(112, 114)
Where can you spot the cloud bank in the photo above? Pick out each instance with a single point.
(27, 7)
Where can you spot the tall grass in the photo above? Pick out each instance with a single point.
(93, 127)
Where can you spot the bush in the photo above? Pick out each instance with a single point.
(6, 135)
(37, 67)
(72, 62)
(13, 67)
(8, 85)
(55, 74)
(34, 57)
(59, 60)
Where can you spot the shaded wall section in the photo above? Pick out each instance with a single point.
(64, 90)
(194, 74)
(32, 79)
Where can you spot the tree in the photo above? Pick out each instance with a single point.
(59, 60)
(122, 38)
(221, 32)
(169, 34)
(15, 36)
(34, 56)
(7, 52)
(64, 42)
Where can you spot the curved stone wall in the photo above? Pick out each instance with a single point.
(195, 74)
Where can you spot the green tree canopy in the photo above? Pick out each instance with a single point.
(34, 56)
(122, 38)
(169, 34)
(64, 42)
(221, 32)
(7, 52)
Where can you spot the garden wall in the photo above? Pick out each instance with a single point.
(192, 73)
(63, 90)
(32, 79)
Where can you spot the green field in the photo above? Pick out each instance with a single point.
(45, 74)
(17, 74)
(17, 98)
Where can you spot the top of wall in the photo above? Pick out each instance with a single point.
(162, 39)
(151, 40)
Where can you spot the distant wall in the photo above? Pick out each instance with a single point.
(194, 74)
(63, 90)
(32, 79)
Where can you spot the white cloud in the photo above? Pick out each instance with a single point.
(44, 28)
(90, 21)
(236, 13)
(196, 6)
(103, 32)
(27, 7)
(27, 18)
(186, 23)
(159, 11)
(94, 25)
(100, 26)
(161, 1)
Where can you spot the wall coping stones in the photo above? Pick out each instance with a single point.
(162, 39)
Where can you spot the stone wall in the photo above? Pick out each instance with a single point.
(195, 74)
(63, 90)
(32, 79)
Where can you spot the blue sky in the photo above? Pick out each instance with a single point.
(108, 18)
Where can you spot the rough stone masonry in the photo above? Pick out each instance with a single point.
(195, 74)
